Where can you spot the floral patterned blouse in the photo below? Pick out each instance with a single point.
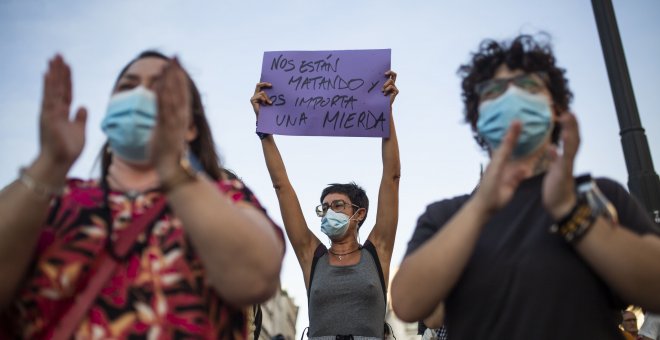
(158, 292)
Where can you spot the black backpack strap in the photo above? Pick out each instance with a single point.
(303, 333)
(320, 251)
(372, 250)
(257, 320)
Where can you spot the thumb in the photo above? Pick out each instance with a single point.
(570, 135)
(81, 117)
(551, 153)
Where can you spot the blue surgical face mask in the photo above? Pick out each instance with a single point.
(128, 123)
(532, 110)
(334, 224)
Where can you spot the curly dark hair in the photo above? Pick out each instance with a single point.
(355, 193)
(524, 53)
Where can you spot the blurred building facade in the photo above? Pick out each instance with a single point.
(401, 330)
(278, 317)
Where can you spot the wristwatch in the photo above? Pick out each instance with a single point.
(587, 186)
(590, 204)
(185, 174)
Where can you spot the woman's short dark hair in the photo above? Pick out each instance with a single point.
(524, 53)
(202, 146)
(355, 193)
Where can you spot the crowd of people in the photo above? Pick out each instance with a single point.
(168, 244)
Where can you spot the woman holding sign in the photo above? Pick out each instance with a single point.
(347, 282)
(148, 250)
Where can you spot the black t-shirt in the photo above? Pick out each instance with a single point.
(522, 282)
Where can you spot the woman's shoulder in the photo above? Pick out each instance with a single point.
(238, 191)
(235, 188)
(446, 206)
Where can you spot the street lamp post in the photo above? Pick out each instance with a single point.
(643, 181)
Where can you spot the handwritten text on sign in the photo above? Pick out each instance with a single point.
(326, 93)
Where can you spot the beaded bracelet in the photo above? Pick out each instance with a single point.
(576, 224)
(40, 189)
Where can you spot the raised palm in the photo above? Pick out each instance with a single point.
(502, 177)
(558, 184)
(61, 139)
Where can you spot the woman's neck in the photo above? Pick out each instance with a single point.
(345, 245)
(126, 177)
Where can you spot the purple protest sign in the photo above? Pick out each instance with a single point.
(326, 93)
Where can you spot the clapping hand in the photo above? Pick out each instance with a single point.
(61, 139)
(502, 177)
(174, 118)
(558, 185)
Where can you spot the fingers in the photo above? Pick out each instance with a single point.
(505, 149)
(261, 86)
(79, 122)
(65, 81)
(47, 101)
(80, 118)
(174, 115)
(62, 82)
(173, 82)
(57, 89)
(261, 98)
(389, 87)
(58, 77)
(391, 74)
(515, 175)
(173, 98)
(570, 135)
(551, 153)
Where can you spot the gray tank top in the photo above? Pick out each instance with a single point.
(346, 300)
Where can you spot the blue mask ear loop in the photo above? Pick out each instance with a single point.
(358, 227)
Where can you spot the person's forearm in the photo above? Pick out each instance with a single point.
(390, 154)
(626, 261)
(23, 214)
(387, 215)
(240, 249)
(426, 277)
(274, 162)
(300, 236)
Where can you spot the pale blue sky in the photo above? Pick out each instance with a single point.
(221, 44)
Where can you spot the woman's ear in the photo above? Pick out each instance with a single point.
(361, 213)
(191, 133)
